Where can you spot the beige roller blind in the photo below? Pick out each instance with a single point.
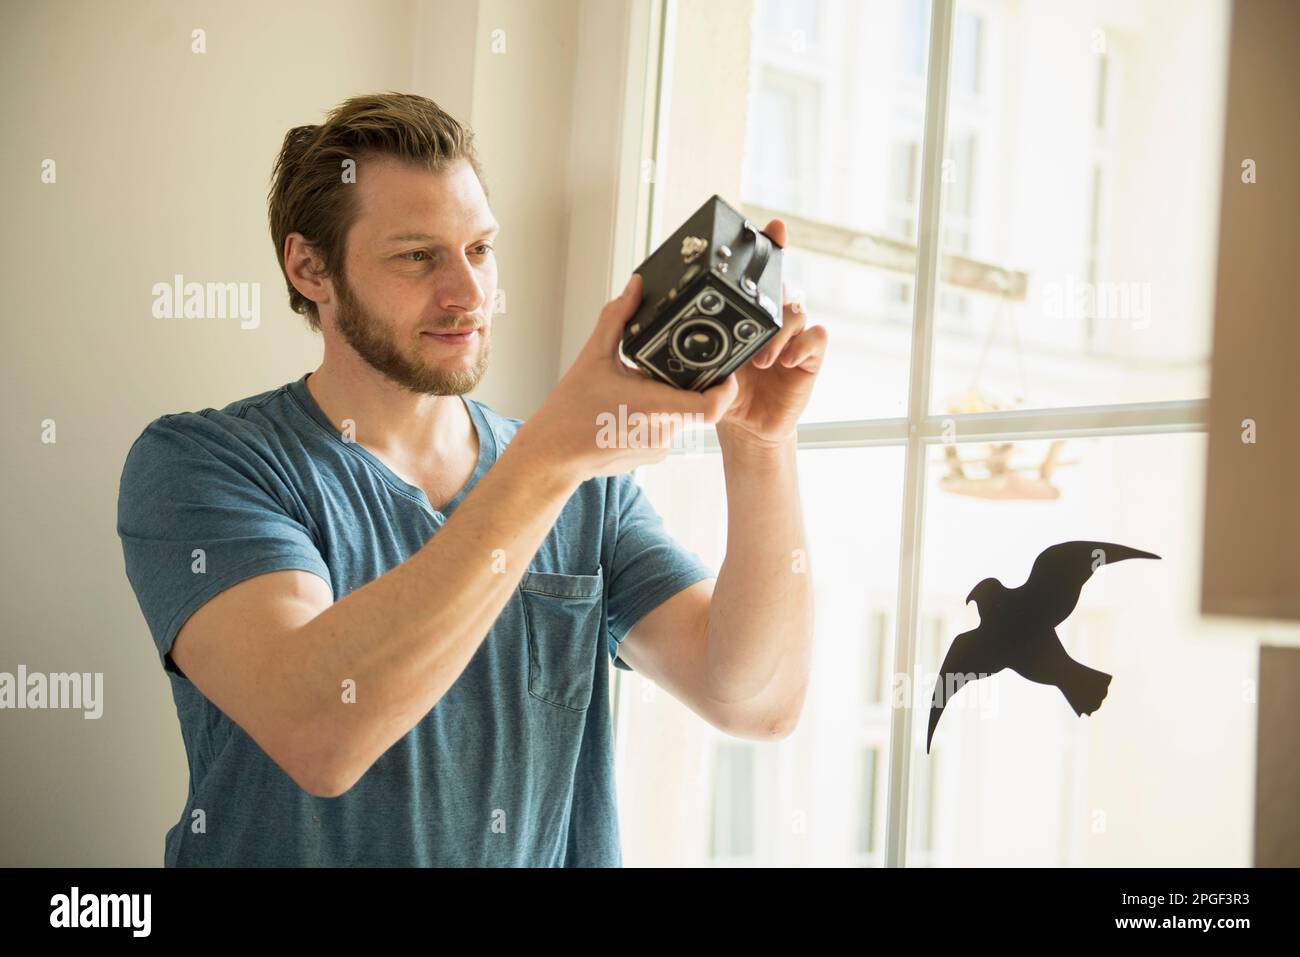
(1251, 559)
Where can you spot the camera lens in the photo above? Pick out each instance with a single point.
(710, 303)
(746, 329)
(700, 343)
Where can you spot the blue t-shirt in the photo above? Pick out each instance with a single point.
(514, 766)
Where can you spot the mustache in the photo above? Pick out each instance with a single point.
(455, 325)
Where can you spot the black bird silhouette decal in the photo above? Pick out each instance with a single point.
(1018, 629)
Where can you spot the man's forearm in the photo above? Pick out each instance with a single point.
(760, 619)
(405, 637)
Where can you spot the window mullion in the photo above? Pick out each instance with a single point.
(909, 565)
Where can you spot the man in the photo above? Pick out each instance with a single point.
(383, 607)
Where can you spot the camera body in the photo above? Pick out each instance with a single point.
(711, 297)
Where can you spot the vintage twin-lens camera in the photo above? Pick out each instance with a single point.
(711, 297)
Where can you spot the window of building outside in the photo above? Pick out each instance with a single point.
(1077, 237)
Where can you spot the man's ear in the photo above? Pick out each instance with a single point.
(306, 269)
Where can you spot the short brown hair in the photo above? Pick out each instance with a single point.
(308, 194)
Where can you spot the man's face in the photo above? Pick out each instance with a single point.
(419, 262)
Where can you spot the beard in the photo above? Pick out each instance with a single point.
(409, 367)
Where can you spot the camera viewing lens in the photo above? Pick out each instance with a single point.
(700, 343)
(710, 303)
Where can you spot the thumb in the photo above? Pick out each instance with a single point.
(609, 327)
(720, 397)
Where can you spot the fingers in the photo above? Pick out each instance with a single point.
(792, 325)
(609, 327)
(710, 405)
(719, 398)
(805, 350)
(776, 232)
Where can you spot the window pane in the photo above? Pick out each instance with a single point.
(734, 789)
(1161, 773)
(915, 45)
(819, 149)
(693, 796)
(1072, 157)
(786, 19)
(870, 326)
(966, 51)
(870, 806)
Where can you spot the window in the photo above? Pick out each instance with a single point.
(806, 797)
(1102, 91)
(1104, 165)
(1060, 398)
(733, 804)
(868, 801)
(877, 654)
(1161, 772)
(795, 21)
(958, 217)
(915, 37)
(967, 31)
(966, 52)
(783, 174)
(904, 202)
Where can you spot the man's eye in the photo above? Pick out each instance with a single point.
(486, 247)
(415, 252)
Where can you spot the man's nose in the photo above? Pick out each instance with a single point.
(459, 286)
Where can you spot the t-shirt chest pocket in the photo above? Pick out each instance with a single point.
(563, 618)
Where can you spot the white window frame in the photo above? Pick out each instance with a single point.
(919, 429)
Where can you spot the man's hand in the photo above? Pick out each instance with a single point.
(777, 381)
(567, 428)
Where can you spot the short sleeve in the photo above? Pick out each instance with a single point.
(197, 515)
(648, 567)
